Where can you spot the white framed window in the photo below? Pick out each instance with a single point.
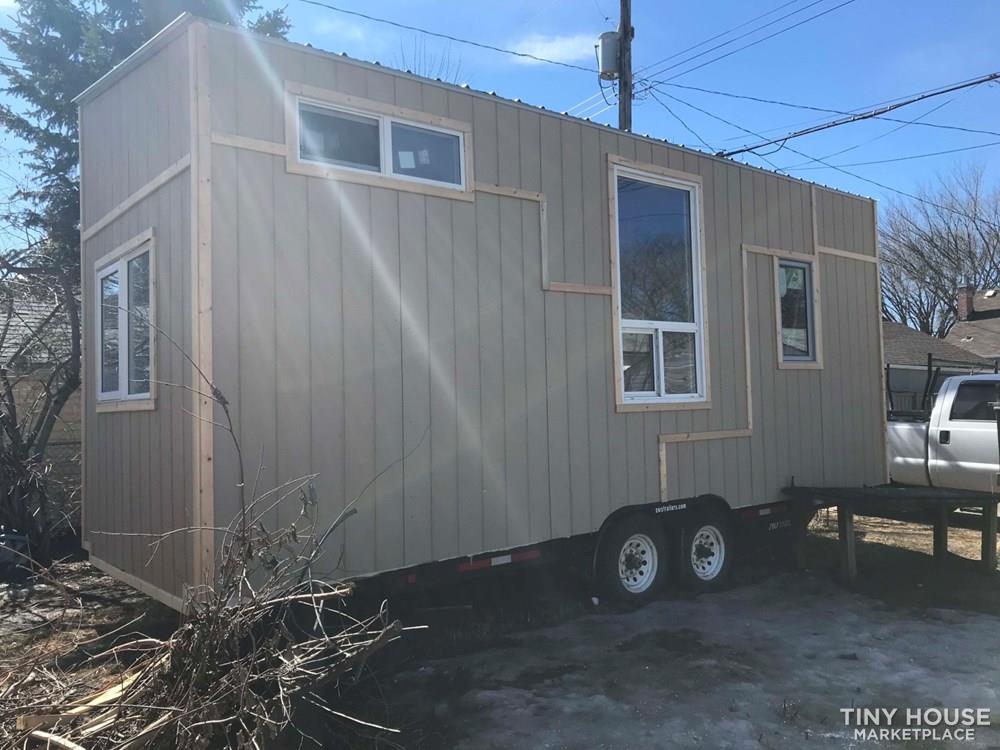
(382, 144)
(795, 311)
(658, 258)
(124, 304)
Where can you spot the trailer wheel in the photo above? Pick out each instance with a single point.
(633, 559)
(707, 551)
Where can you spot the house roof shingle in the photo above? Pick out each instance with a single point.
(980, 334)
(905, 346)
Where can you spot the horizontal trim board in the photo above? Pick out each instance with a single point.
(294, 166)
(138, 404)
(144, 192)
(509, 192)
(628, 406)
(775, 252)
(655, 169)
(164, 597)
(249, 144)
(573, 288)
(690, 437)
(847, 254)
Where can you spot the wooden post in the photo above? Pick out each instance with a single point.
(989, 548)
(941, 533)
(848, 556)
(800, 525)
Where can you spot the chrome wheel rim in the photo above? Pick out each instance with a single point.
(637, 563)
(708, 552)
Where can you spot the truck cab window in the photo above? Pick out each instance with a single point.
(974, 401)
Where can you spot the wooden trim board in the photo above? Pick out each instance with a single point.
(568, 287)
(203, 501)
(145, 191)
(171, 600)
(847, 254)
(249, 144)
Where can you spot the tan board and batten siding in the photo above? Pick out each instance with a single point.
(137, 465)
(352, 325)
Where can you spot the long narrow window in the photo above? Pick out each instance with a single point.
(381, 144)
(795, 306)
(123, 337)
(659, 286)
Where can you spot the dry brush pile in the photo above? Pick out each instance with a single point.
(264, 641)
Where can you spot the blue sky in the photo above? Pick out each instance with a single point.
(860, 54)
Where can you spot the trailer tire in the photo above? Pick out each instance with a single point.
(706, 550)
(633, 559)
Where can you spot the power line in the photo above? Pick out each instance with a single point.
(840, 169)
(677, 117)
(907, 158)
(750, 44)
(881, 135)
(825, 110)
(450, 38)
(866, 115)
(726, 43)
(720, 34)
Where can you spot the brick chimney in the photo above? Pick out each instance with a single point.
(966, 306)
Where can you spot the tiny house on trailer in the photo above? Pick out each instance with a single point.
(524, 327)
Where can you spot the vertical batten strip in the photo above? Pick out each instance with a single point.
(203, 514)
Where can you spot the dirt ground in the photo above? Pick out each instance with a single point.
(766, 664)
(533, 661)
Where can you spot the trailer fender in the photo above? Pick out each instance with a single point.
(670, 512)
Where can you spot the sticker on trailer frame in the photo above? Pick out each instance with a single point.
(668, 508)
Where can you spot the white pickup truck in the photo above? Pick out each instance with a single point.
(955, 446)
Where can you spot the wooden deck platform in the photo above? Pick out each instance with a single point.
(888, 501)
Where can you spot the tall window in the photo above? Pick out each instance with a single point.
(795, 304)
(662, 349)
(124, 341)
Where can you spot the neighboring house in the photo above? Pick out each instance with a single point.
(906, 353)
(29, 358)
(978, 327)
(494, 325)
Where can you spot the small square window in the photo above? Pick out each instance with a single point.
(426, 154)
(337, 137)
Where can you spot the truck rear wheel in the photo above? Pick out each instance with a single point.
(706, 551)
(632, 562)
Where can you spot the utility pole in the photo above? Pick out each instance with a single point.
(625, 34)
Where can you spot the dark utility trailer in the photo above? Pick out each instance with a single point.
(892, 501)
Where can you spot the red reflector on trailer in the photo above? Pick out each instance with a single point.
(526, 554)
(469, 565)
(492, 562)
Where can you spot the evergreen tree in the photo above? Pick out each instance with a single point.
(61, 47)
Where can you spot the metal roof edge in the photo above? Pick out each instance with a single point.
(150, 47)
(492, 96)
(175, 27)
